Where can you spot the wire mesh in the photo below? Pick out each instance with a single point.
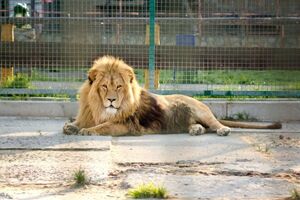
(199, 45)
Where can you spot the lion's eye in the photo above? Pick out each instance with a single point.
(104, 86)
(119, 86)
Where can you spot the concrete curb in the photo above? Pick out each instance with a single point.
(38, 108)
(274, 110)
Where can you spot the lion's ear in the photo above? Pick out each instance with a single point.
(130, 74)
(92, 75)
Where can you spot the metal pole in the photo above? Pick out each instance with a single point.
(152, 43)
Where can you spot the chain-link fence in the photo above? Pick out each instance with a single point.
(189, 46)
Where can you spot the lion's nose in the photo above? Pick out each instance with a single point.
(111, 100)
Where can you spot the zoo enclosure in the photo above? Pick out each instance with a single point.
(205, 47)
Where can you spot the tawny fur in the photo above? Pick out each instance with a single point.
(112, 103)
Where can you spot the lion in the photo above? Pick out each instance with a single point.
(112, 103)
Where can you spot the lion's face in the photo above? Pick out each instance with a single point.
(114, 90)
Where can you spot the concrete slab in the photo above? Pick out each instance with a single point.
(15, 124)
(283, 149)
(37, 162)
(230, 152)
(215, 187)
(52, 167)
(90, 192)
(212, 167)
(61, 155)
(43, 134)
(38, 108)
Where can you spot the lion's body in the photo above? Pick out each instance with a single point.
(112, 103)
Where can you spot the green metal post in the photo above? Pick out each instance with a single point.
(151, 44)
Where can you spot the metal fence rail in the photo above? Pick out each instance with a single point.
(206, 47)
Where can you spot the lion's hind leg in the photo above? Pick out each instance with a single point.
(196, 129)
(70, 129)
(202, 114)
(215, 126)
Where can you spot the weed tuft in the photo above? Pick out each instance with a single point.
(80, 177)
(148, 191)
(295, 195)
(263, 148)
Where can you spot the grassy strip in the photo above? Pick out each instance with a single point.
(233, 77)
(288, 78)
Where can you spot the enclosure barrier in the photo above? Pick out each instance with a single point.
(195, 47)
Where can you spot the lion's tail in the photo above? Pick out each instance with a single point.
(235, 124)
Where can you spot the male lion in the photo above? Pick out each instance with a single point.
(112, 103)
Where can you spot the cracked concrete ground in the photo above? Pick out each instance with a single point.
(37, 162)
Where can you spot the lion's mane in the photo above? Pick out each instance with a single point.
(139, 110)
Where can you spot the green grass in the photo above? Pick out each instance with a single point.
(289, 78)
(148, 191)
(48, 97)
(224, 80)
(80, 177)
(226, 77)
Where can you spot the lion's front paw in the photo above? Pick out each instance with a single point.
(70, 129)
(224, 131)
(85, 131)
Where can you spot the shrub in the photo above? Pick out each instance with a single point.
(18, 81)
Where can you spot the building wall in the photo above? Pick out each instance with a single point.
(83, 25)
